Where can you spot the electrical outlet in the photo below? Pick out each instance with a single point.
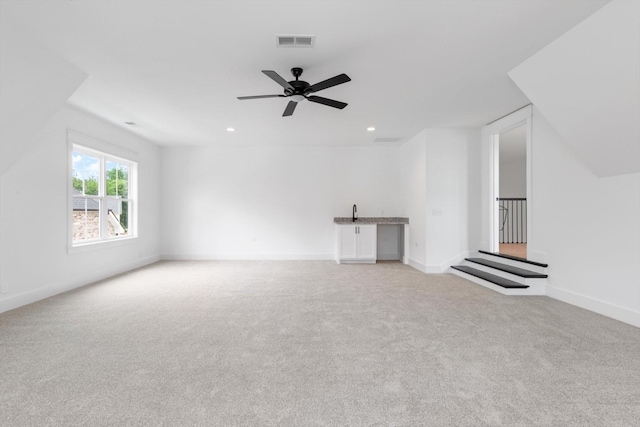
(4, 288)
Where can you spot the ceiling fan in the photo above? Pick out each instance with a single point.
(299, 90)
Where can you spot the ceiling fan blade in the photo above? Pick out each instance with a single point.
(333, 81)
(276, 78)
(260, 96)
(326, 101)
(291, 106)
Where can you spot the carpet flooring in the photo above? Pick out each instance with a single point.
(311, 343)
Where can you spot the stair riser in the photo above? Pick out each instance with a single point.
(515, 278)
(536, 289)
(513, 263)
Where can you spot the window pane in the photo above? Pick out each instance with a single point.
(117, 178)
(86, 219)
(101, 204)
(117, 217)
(86, 170)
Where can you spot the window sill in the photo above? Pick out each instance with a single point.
(102, 244)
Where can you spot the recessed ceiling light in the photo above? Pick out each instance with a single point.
(231, 129)
(370, 129)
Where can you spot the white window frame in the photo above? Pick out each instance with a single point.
(104, 151)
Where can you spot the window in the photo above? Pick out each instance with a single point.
(102, 187)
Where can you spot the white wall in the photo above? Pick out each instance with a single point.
(513, 163)
(34, 214)
(586, 84)
(447, 195)
(279, 202)
(513, 177)
(270, 202)
(474, 196)
(412, 158)
(441, 194)
(588, 227)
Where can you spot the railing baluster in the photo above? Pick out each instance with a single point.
(511, 223)
(518, 235)
(524, 223)
(513, 217)
(521, 235)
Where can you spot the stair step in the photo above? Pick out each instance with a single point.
(527, 274)
(514, 258)
(500, 281)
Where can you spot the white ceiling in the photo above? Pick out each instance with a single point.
(176, 67)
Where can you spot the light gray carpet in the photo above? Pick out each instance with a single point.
(311, 343)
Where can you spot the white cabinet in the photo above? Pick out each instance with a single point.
(347, 242)
(356, 243)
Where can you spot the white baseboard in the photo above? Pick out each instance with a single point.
(601, 307)
(441, 268)
(71, 283)
(248, 257)
(432, 269)
(417, 265)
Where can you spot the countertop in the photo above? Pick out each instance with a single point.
(371, 220)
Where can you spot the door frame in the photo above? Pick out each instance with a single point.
(491, 133)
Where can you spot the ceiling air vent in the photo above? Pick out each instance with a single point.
(292, 40)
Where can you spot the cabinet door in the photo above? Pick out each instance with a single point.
(348, 243)
(367, 242)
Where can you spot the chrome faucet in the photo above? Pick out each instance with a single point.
(354, 213)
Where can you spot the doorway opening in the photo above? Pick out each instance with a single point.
(510, 201)
(512, 192)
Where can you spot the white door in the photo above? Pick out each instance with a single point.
(348, 242)
(367, 242)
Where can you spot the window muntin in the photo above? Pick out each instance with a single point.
(102, 203)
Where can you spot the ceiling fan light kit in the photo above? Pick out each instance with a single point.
(299, 90)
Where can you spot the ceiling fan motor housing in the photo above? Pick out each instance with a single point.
(299, 87)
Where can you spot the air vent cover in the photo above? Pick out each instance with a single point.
(293, 40)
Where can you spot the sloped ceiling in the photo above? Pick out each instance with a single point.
(176, 67)
(587, 85)
(34, 84)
